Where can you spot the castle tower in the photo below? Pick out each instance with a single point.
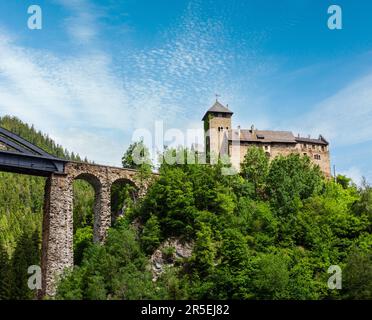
(217, 123)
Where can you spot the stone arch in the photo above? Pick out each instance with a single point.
(92, 179)
(96, 184)
(96, 176)
(57, 252)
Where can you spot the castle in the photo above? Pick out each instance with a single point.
(222, 139)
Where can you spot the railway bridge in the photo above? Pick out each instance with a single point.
(20, 156)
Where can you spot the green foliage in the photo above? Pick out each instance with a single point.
(271, 277)
(5, 272)
(27, 253)
(83, 204)
(204, 252)
(344, 181)
(272, 242)
(123, 195)
(137, 156)
(357, 275)
(363, 207)
(255, 168)
(150, 238)
(171, 200)
(269, 233)
(290, 180)
(168, 253)
(83, 239)
(114, 271)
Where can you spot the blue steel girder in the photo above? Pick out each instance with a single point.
(21, 156)
(10, 138)
(30, 164)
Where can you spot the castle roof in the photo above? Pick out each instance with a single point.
(268, 136)
(217, 108)
(263, 136)
(320, 140)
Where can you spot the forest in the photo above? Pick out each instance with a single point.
(270, 232)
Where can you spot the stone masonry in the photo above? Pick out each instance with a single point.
(222, 140)
(57, 251)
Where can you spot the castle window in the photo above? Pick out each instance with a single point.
(317, 157)
(305, 154)
(313, 146)
(322, 148)
(305, 145)
(266, 148)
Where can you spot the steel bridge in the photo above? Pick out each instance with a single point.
(20, 156)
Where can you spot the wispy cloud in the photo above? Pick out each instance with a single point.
(97, 97)
(345, 120)
(345, 117)
(82, 23)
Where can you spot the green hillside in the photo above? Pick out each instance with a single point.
(271, 232)
(21, 207)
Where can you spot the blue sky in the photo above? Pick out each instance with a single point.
(98, 70)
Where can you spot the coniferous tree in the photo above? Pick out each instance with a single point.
(5, 275)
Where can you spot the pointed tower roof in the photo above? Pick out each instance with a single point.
(217, 108)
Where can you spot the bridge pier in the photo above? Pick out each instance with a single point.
(57, 244)
(102, 213)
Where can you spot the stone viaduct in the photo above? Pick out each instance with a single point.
(20, 156)
(57, 245)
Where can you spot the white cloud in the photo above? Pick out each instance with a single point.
(66, 96)
(82, 23)
(91, 102)
(355, 174)
(345, 118)
(81, 100)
